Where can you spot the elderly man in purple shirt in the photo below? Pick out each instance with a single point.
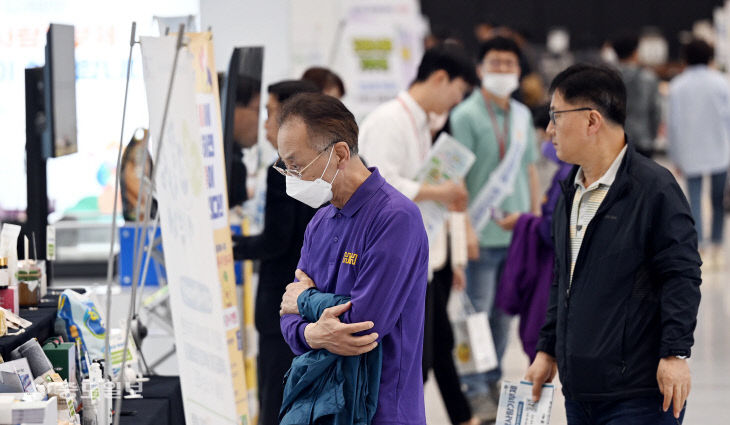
(369, 243)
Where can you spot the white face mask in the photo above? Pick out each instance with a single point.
(501, 85)
(313, 193)
(437, 121)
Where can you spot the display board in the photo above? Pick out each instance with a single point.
(191, 194)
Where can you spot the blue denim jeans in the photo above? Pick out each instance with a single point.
(636, 411)
(717, 194)
(482, 278)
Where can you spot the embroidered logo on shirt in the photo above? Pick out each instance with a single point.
(349, 258)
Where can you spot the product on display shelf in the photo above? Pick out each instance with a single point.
(29, 283)
(4, 273)
(10, 299)
(12, 322)
(28, 409)
(63, 357)
(116, 347)
(517, 408)
(78, 311)
(95, 406)
(66, 405)
(21, 368)
(10, 383)
(40, 366)
(8, 246)
(7, 298)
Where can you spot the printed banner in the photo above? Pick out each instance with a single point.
(191, 194)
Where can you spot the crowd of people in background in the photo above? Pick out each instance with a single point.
(498, 102)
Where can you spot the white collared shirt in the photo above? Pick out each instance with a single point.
(395, 137)
(585, 205)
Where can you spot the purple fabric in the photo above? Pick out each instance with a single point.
(524, 288)
(374, 250)
(549, 152)
(551, 199)
(525, 285)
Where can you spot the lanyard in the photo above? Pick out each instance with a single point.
(419, 137)
(501, 137)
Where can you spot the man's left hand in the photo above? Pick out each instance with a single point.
(508, 223)
(293, 290)
(674, 381)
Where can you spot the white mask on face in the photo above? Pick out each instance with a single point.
(437, 121)
(501, 85)
(313, 193)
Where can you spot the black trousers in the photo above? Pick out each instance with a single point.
(438, 345)
(273, 362)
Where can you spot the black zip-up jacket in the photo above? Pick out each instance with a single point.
(635, 290)
(278, 247)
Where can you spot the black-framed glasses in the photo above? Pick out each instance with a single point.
(552, 113)
(298, 173)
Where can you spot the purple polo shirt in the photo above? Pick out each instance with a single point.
(375, 250)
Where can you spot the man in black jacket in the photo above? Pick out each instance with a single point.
(278, 247)
(623, 306)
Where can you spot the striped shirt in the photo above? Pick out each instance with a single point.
(585, 204)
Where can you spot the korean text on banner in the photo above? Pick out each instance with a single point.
(191, 194)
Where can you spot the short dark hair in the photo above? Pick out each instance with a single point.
(247, 89)
(283, 90)
(625, 45)
(697, 52)
(324, 78)
(541, 116)
(451, 58)
(326, 118)
(599, 86)
(502, 44)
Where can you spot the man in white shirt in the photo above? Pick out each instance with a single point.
(397, 137)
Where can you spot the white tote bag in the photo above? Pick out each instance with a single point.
(473, 343)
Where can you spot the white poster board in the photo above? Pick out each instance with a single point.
(195, 235)
(374, 45)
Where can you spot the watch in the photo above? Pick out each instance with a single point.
(682, 357)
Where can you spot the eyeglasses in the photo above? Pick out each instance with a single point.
(298, 174)
(552, 113)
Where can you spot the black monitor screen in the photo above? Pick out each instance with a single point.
(60, 92)
(242, 84)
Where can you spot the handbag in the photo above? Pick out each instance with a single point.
(474, 350)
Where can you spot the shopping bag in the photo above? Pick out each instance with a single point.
(474, 350)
